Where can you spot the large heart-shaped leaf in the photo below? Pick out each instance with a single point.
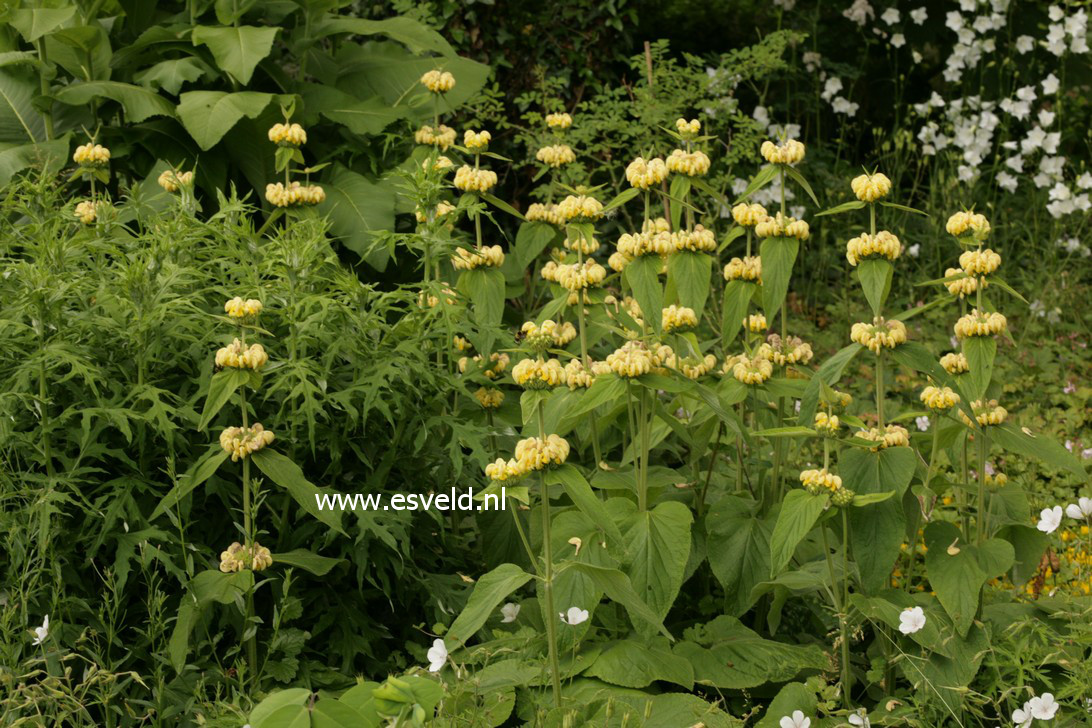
(657, 545)
(876, 531)
(489, 591)
(875, 278)
(208, 115)
(237, 49)
(739, 551)
(957, 571)
(643, 278)
(358, 208)
(688, 272)
(799, 512)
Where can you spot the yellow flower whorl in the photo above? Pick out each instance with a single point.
(939, 398)
(580, 208)
(490, 256)
(293, 194)
(793, 350)
(476, 141)
(237, 308)
(979, 262)
(688, 129)
(644, 174)
(475, 179)
(788, 152)
(539, 373)
(172, 180)
(242, 441)
(880, 334)
(962, 286)
(498, 363)
(91, 155)
(881, 245)
(580, 276)
(826, 424)
(87, 211)
(235, 356)
(751, 370)
(559, 121)
(985, 413)
(691, 164)
(556, 155)
(749, 215)
(746, 269)
(539, 212)
(965, 223)
(489, 397)
(816, 481)
(632, 359)
(871, 187)
(442, 136)
(437, 81)
(780, 226)
(755, 323)
(980, 323)
(955, 363)
(678, 318)
(699, 240)
(287, 135)
(890, 436)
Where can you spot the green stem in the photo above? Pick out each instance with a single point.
(643, 426)
(983, 511)
(548, 572)
(47, 111)
(709, 472)
(879, 388)
(847, 675)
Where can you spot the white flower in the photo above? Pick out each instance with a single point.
(919, 16)
(1050, 519)
(844, 106)
(860, 12)
(1025, 44)
(968, 6)
(796, 720)
(832, 86)
(860, 719)
(1050, 85)
(890, 16)
(898, 40)
(911, 620)
(437, 655)
(1043, 707)
(1021, 717)
(922, 422)
(1079, 510)
(1006, 181)
(574, 616)
(1085, 181)
(914, 250)
(1055, 13)
(509, 612)
(1026, 93)
(954, 21)
(40, 633)
(1046, 118)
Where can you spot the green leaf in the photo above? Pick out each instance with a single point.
(33, 23)
(237, 49)
(876, 532)
(307, 560)
(1029, 544)
(737, 298)
(178, 646)
(531, 239)
(1007, 288)
(904, 208)
(794, 696)
(980, 352)
(489, 591)
(201, 471)
(485, 289)
(605, 388)
(788, 431)
(411, 33)
(828, 374)
(621, 198)
(501, 205)
(657, 545)
(1038, 446)
(209, 115)
(798, 178)
(20, 121)
(679, 189)
(741, 558)
(958, 570)
(360, 116)
(358, 208)
(288, 475)
(635, 664)
(844, 207)
(778, 257)
(276, 701)
(875, 277)
(619, 588)
(689, 272)
(48, 156)
(222, 386)
(213, 586)
(868, 499)
(643, 278)
(331, 713)
(763, 177)
(799, 512)
(169, 76)
(577, 488)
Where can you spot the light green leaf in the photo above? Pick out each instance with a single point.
(222, 386)
(619, 588)
(209, 115)
(485, 289)
(844, 207)
(33, 23)
(411, 33)
(875, 277)
(876, 532)
(276, 701)
(799, 512)
(237, 49)
(679, 188)
(904, 208)
(577, 488)
(49, 156)
(636, 664)
(868, 499)
(741, 558)
(778, 257)
(307, 560)
(531, 239)
(288, 475)
(201, 471)
(828, 374)
(798, 178)
(763, 177)
(794, 696)
(689, 272)
(622, 198)
(170, 75)
(358, 208)
(657, 545)
(980, 352)
(737, 297)
(1038, 446)
(643, 278)
(958, 570)
(489, 591)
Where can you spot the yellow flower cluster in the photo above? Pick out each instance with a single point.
(880, 334)
(979, 262)
(890, 436)
(678, 318)
(239, 557)
(489, 397)
(490, 256)
(816, 481)
(579, 276)
(968, 223)
(699, 240)
(691, 164)
(474, 179)
(788, 152)
(580, 208)
(172, 181)
(754, 369)
(955, 363)
(439, 165)
(688, 129)
(539, 373)
(237, 356)
(91, 155)
(460, 343)
(980, 323)
(549, 333)
(793, 350)
(437, 81)
(579, 377)
(696, 368)
(555, 155)
(237, 308)
(748, 268)
(986, 413)
(293, 194)
(442, 136)
(871, 187)
(838, 401)
(544, 213)
(749, 215)
(644, 174)
(87, 211)
(242, 441)
(939, 398)
(450, 298)
(476, 141)
(443, 207)
(755, 323)
(827, 424)
(559, 121)
(881, 245)
(633, 359)
(534, 453)
(647, 242)
(498, 363)
(780, 226)
(963, 286)
(287, 135)
(587, 246)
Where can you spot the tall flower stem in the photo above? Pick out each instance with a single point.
(983, 510)
(548, 571)
(847, 675)
(248, 541)
(879, 389)
(928, 477)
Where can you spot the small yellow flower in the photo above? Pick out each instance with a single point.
(475, 179)
(980, 323)
(556, 155)
(91, 155)
(501, 470)
(688, 129)
(237, 308)
(287, 135)
(788, 152)
(488, 397)
(487, 257)
(544, 213)
(881, 245)
(678, 318)
(890, 436)
(294, 194)
(816, 481)
(871, 187)
(939, 398)
(442, 208)
(261, 558)
(172, 180)
(644, 174)
(582, 244)
(752, 370)
(236, 356)
(442, 137)
(580, 276)
(539, 373)
(633, 359)
(979, 262)
(963, 286)
(955, 363)
(755, 323)
(559, 121)
(748, 215)
(498, 363)
(242, 441)
(691, 164)
(880, 334)
(87, 211)
(476, 141)
(985, 413)
(793, 350)
(827, 424)
(233, 559)
(536, 453)
(746, 269)
(578, 377)
(965, 223)
(780, 226)
(580, 208)
(699, 240)
(437, 81)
